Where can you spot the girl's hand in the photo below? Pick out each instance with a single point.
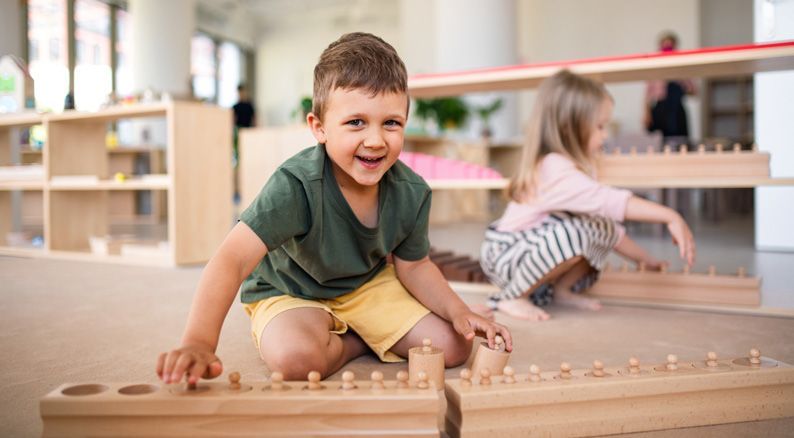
(469, 323)
(682, 236)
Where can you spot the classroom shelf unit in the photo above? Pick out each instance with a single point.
(77, 183)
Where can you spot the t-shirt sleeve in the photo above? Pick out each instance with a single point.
(569, 189)
(280, 211)
(417, 245)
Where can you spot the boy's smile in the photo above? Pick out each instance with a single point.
(363, 134)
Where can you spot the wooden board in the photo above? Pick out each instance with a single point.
(656, 399)
(678, 287)
(213, 409)
(708, 62)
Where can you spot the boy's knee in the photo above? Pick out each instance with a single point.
(295, 362)
(457, 351)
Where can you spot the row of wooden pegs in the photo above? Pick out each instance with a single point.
(683, 149)
(663, 269)
(348, 381)
(597, 371)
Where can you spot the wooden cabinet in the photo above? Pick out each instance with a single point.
(79, 190)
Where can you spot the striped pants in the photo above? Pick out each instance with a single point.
(516, 260)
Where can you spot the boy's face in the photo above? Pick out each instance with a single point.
(363, 134)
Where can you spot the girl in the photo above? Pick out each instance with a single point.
(560, 224)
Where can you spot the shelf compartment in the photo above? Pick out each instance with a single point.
(148, 182)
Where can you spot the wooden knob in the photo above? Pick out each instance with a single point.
(641, 267)
(701, 148)
(509, 375)
(234, 380)
(667, 149)
(465, 377)
(565, 370)
(427, 345)
(711, 359)
(485, 376)
(755, 357)
(633, 150)
(498, 342)
(755, 147)
(663, 268)
(682, 149)
(314, 380)
(737, 147)
(686, 270)
(276, 381)
(534, 373)
(650, 149)
(718, 147)
(402, 379)
(598, 368)
(634, 365)
(741, 272)
(377, 380)
(672, 362)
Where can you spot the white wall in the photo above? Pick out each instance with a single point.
(10, 28)
(228, 20)
(726, 22)
(774, 92)
(553, 30)
(286, 55)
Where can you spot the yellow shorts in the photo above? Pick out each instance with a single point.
(381, 311)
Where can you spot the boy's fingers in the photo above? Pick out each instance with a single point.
(168, 368)
(160, 365)
(490, 332)
(464, 328)
(214, 369)
(181, 366)
(197, 370)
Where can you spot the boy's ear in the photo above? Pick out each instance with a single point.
(316, 125)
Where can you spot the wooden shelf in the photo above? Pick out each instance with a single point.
(21, 185)
(709, 62)
(467, 184)
(20, 119)
(116, 112)
(692, 183)
(161, 182)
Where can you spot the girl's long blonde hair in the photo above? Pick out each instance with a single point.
(562, 119)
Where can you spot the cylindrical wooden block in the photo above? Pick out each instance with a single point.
(494, 360)
(428, 359)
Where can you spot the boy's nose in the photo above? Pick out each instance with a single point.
(374, 139)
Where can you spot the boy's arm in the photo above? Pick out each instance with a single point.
(642, 210)
(425, 282)
(237, 256)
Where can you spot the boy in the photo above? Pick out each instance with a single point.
(313, 247)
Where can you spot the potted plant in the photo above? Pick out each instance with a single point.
(485, 113)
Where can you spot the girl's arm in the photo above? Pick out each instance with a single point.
(642, 210)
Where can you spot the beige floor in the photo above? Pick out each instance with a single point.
(82, 322)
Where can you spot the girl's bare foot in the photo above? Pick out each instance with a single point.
(575, 300)
(521, 308)
(482, 310)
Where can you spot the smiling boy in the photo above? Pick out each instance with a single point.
(311, 250)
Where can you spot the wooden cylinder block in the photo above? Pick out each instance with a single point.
(494, 360)
(427, 359)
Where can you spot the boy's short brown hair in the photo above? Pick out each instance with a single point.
(357, 60)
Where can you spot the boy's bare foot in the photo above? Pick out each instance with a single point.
(482, 310)
(521, 308)
(576, 300)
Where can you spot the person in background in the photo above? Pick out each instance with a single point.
(244, 117)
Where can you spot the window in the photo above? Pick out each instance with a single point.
(203, 67)
(92, 75)
(49, 67)
(123, 50)
(231, 65)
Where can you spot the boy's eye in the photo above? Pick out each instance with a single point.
(393, 123)
(355, 122)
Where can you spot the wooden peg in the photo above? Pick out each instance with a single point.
(565, 371)
(634, 366)
(633, 150)
(737, 147)
(616, 151)
(509, 375)
(663, 268)
(718, 147)
(276, 381)
(712, 270)
(641, 267)
(686, 270)
(234, 381)
(534, 373)
(314, 381)
(465, 377)
(711, 359)
(427, 345)
(701, 148)
(348, 382)
(650, 149)
(667, 149)
(755, 147)
(190, 386)
(377, 380)
(755, 357)
(624, 267)
(598, 369)
(741, 272)
(402, 379)
(682, 149)
(422, 380)
(485, 376)
(672, 362)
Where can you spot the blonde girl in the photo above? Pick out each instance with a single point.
(560, 224)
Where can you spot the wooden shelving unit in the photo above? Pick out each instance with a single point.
(78, 182)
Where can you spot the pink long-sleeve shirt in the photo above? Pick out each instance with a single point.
(561, 186)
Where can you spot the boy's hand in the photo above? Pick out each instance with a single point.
(682, 236)
(469, 323)
(193, 360)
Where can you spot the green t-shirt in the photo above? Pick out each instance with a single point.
(317, 247)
